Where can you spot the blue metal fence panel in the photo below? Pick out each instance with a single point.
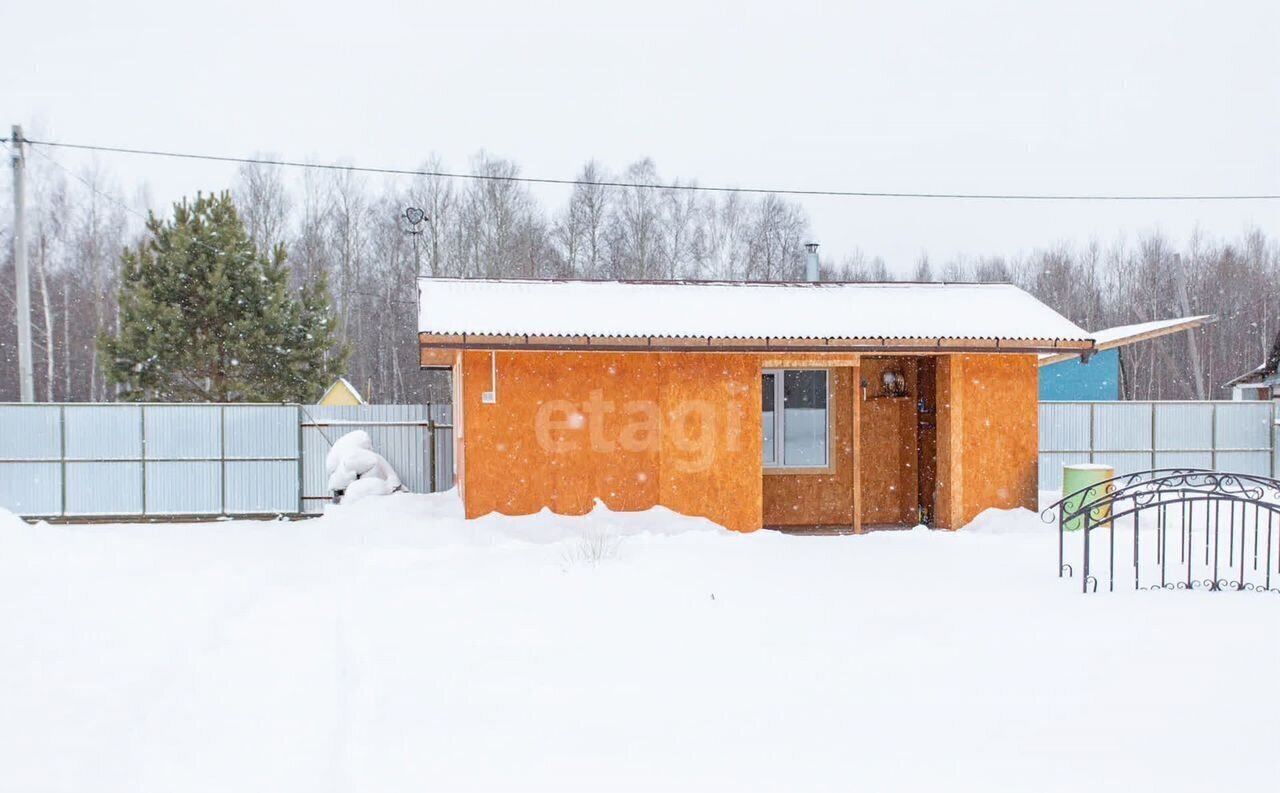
(1243, 425)
(104, 488)
(1121, 426)
(1133, 436)
(261, 487)
(32, 432)
(1051, 464)
(183, 487)
(1184, 426)
(183, 432)
(31, 488)
(103, 432)
(260, 431)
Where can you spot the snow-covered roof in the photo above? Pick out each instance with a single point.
(709, 311)
(1123, 335)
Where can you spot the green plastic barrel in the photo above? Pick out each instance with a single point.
(1082, 475)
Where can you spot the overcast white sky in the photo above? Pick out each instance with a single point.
(979, 96)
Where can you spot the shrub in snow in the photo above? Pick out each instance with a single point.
(356, 471)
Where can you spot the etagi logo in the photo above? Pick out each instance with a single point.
(697, 429)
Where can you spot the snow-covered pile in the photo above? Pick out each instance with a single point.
(357, 471)
(391, 645)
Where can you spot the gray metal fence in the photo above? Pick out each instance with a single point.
(1136, 436)
(416, 439)
(127, 460)
(132, 460)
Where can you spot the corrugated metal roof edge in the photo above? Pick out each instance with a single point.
(709, 282)
(441, 332)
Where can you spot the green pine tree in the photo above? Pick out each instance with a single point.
(205, 317)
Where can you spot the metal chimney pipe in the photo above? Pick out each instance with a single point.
(811, 261)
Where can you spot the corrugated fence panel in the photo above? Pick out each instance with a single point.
(1134, 436)
(1184, 426)
(260, 431)
(1051, 467)
(1125, 462)
(103, 432)
(1121, 426)
(97, 488)
(1257, 463)
(203, 459)
(184, 487)
(183, 432)
(262, 469)
(261, 487)
(31, 488)
(1064, 426)
(1243, 425)
(1184, 460)
(30, 432)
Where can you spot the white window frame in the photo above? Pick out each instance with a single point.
(779, 432)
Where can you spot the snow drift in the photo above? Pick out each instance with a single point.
(357, 471)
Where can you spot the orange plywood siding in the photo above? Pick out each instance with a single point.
(632, 429)
(999, 426)
(950, 497)
(888, 446)
(813, 499)
(711, 461)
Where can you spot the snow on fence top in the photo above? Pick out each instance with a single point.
(722, 310)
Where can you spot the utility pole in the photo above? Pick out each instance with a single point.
(26, 379)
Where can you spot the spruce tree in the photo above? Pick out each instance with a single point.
(206, 317)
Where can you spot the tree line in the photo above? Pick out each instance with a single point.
(350, 231)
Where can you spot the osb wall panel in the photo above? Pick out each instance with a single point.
(711, 461)
(889, 477)
(999, 432)
(949, 501)
(820, 499)
(632, 429)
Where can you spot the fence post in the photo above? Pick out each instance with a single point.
(62, 456)
(142, 429)
(297, 412)
(431, 447)
(222, 459)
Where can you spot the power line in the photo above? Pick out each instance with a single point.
(646, 186)
(124, 205)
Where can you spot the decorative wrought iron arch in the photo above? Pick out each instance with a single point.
(1174, 496)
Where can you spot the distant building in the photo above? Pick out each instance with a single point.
(1064, 377)
(1262, 383)
(341, 394)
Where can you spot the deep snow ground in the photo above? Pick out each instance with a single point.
(392, 646)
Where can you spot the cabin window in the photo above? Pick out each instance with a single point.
(795, 418)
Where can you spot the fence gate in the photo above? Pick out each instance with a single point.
(416, 439)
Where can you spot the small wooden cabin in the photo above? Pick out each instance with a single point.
(796, 405)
